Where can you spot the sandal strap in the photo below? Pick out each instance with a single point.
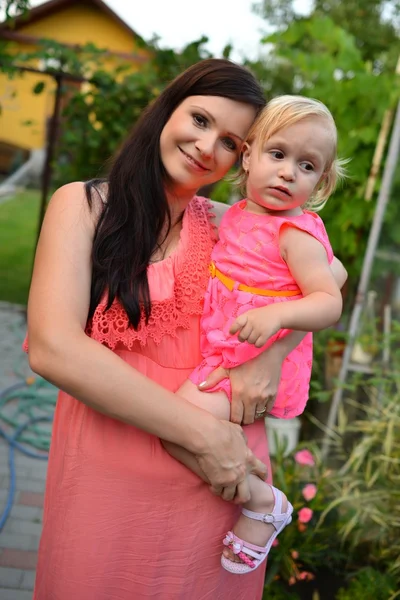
(276, 516)
(238, 545)
(264, 517)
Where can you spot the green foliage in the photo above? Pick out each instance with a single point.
(365, 487)
(96, 120)
(222, 192)
(302, 547)
(13, 7)
(276, 591)
(374, 24)
(39, 87)
(369, 583)
(355, 521)
(277, 12)
(18, 222)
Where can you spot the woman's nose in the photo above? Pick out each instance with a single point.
(206, 145)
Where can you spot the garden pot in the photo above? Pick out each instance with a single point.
(282, 433)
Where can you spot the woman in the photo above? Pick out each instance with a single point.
(115, 525)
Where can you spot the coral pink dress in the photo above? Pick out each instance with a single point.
(122, 519)
(248, 253)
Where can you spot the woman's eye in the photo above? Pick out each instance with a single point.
(200, 120)
(230, 144)
(277, 154)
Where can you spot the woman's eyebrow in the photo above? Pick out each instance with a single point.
(212, 119)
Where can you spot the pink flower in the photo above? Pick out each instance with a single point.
(275, 543)
(305, 575)
(305, 515)
(292, 580)
(309, 491)
(304, 457)
(295, 554)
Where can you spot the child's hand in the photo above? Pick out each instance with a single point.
(256, 326)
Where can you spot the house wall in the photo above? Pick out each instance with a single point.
(24, 115)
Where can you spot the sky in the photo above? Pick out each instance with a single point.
(179, 22)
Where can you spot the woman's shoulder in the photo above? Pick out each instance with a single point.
(87, 202)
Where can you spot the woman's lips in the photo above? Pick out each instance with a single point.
(193, 162)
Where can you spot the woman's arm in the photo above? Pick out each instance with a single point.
(61, 352)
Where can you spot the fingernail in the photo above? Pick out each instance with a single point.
(202, 384)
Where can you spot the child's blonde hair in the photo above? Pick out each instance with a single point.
(284, 111)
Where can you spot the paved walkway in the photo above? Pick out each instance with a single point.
(19, 538)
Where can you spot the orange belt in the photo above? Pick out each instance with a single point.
(231, 284)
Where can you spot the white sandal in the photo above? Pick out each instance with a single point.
(251, 555)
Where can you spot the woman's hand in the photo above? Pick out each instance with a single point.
(226, 462)
(255, 383)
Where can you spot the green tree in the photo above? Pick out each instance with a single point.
(374, 24)
(12, 7)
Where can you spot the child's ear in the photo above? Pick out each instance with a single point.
(246, 153)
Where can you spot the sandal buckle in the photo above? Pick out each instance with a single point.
(268, 518)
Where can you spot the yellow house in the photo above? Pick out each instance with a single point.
(24, 115)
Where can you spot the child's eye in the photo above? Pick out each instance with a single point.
(200, 120)
(229, 143)
(307, 166)
(277, 154)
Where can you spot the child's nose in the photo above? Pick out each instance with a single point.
(287, 171)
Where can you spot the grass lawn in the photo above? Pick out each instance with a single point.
(18, 223)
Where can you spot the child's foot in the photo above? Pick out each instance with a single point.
(266, 520)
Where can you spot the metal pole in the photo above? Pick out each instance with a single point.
(373, 239)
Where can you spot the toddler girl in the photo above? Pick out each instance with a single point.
(272, 249)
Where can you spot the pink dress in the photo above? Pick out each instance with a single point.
(122, 519)
(248, 253)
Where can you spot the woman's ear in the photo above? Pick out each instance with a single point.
(246, 153)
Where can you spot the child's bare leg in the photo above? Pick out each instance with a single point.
(262, 498)
(216, 403)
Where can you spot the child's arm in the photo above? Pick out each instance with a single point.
(339, 272)
(321, 305)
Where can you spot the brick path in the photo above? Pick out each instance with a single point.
(19, 538)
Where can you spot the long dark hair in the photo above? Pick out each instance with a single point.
(136, 212)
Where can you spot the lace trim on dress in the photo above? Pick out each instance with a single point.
(191, 275)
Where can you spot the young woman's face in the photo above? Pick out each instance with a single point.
(202, 141)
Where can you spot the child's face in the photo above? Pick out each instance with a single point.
(290, 166)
